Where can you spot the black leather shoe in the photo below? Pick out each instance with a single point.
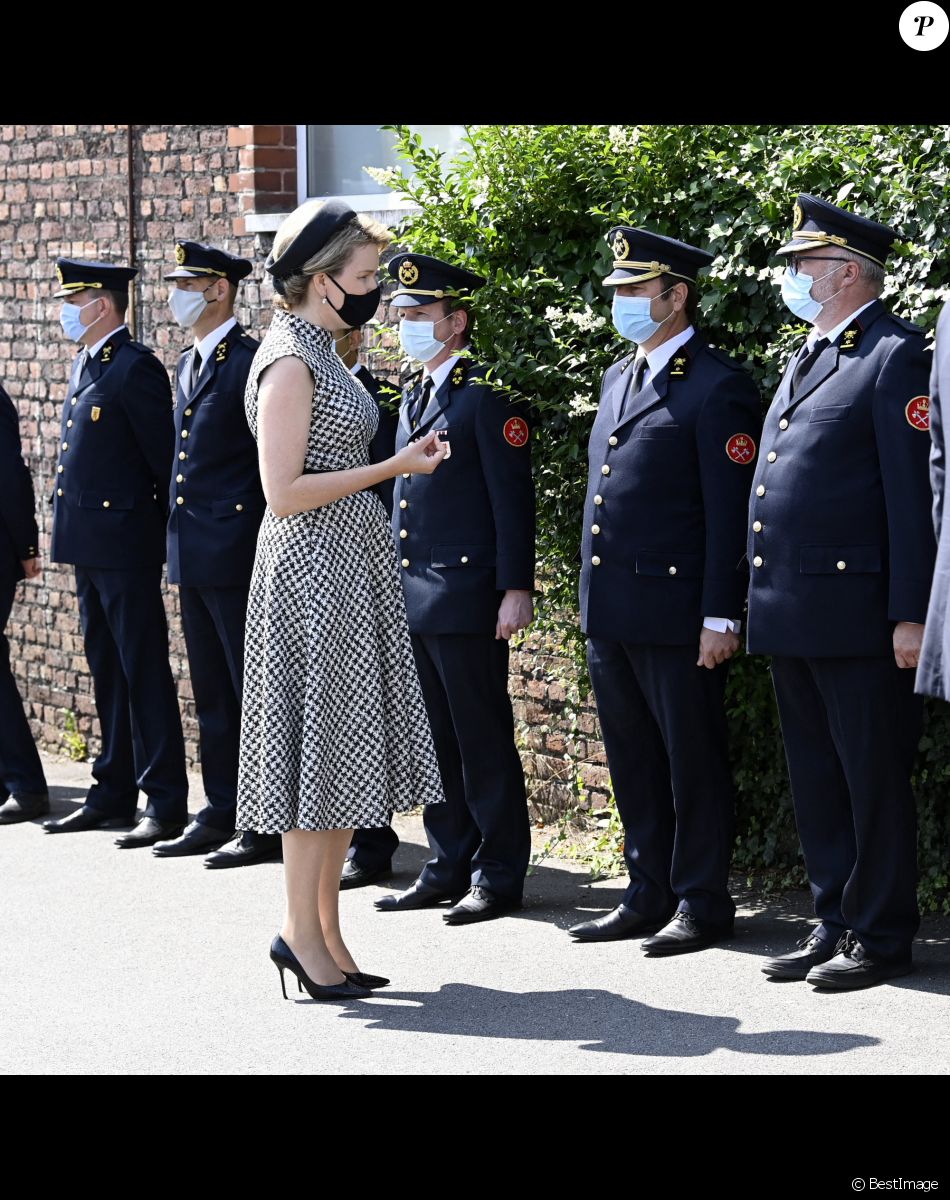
(621, 922)
(812, 951)
(685, 933)
(285, 960)
(24, 806)
(149, 831)
(245, 849)
(354, 876)
(197, 839)
(480, 905)
(420, 895)
(86, 818)
(852, 967)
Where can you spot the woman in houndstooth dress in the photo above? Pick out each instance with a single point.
(334, 732)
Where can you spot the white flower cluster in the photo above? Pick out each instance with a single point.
(585, 321)
(385, 176)
(581, 405)
(621, 137)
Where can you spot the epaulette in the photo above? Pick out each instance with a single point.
(726, 359)
(624, 362)
(410, 381)
(905, 324)
(467, 370)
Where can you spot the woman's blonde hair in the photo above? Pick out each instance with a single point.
(332, 257)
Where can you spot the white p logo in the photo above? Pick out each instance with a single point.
(924, 26)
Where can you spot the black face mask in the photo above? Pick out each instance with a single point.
(356, 310)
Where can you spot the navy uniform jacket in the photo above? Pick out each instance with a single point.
(468, 527)
(668, 497)
(846, 545)
(216, 501)
(933, 674)
(383, 444)
(18, 532)
(111, 485)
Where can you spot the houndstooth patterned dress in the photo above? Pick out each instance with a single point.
(334, 732)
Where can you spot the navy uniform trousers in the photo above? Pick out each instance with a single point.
(215, 504)
(213, 621)
(108, 520)
(481, 835)
(851, 728)
(126, 642)
(20, 766)
(664, 730)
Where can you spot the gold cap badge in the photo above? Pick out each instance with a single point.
(408, 273)
(180, 254)
(621, 246)
(797, 216)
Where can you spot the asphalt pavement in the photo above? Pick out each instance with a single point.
(115, 962)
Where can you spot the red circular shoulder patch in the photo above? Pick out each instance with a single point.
(516, 431)
(741, 448)
(917, 413)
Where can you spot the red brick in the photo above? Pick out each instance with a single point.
(279, 157)
(267, 135)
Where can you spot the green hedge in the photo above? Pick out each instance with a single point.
(529, 205)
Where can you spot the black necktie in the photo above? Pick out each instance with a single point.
(806, 362)
(423, 401)
(195, 370)
(636, 383)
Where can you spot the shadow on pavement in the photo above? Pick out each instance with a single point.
(596, 1019)
(767, 924)
(65, 799)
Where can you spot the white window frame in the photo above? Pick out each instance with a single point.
(372, 202)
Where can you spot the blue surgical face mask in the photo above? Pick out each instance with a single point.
(632, 318)
(796, 292)
(418, 339)
(71, 321)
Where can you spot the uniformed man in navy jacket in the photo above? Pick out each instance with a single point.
(662, 591)
(109, 511)
(215, 508)
(369, 858)
(466, 546)
(842, 550)
(23, 791)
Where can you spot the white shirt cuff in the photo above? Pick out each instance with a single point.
(722, 625)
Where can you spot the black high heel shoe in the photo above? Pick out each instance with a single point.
(365, 980)
(362, 979)
(285, 960)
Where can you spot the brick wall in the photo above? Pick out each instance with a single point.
(266, 179)
(65, 190)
